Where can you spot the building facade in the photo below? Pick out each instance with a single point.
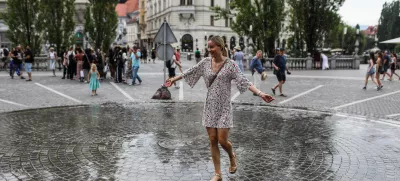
(192, 22)
(143, 24)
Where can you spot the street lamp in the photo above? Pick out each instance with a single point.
(357, 40)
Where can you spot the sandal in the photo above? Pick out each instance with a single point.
(233, 170)
(283, 95)
(217, 176)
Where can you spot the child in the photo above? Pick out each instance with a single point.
(93, 78)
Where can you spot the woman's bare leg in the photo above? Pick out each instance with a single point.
(366, 80)
(213, 136)
(373, 80)
(223, 134)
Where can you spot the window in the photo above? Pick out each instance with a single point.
(212, 20)
(165, 4)
(189, 2)
(155, 9)
(142, 4)
(183, 2)
(212, 3)
(226, 23)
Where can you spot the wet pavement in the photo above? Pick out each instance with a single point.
(166, 141)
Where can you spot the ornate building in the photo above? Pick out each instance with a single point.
(192, 22)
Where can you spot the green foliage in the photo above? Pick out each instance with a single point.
(25, 28)
(58, 19)
(389, 26)
(265, 17)
(312, 20)
(101, 22)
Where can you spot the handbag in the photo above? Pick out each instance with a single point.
(162, 93)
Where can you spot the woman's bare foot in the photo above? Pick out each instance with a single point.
(217, 177)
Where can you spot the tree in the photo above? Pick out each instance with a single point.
(24, 26)
(312, 20)
(101, 22)
(389, 24)
(264, 16)
(58, 20)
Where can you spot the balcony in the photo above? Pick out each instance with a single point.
(186, 11)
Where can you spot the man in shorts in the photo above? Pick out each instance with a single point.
(279, 66)
(28, 62)
(386, 64)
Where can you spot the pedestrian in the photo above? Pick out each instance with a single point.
(52, 60)
(171, 65)
(279, 66)
(3, 61)
(197, 55)
(325, 62)
(125, 61)
(17, 59)
(256, 69)
(119, 63)
(153, 55)
(6, 57)
(128, 72)
(238, 57)
(71, 64)
(218, 72)
(144, 55)
(11, 55)
(86, 66)
(386, 64)
(100, 63)
(178, 59)
(371, 71)
(393, 64)
(111, 62)
(28, 62)
(135, 65)
(379, 70)
(65, 63)
(79, 64)
(317, 59)
(93, 79)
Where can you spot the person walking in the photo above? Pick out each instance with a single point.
(71, 64)
(197, 55)
(52, 60)
(153, 55)
(218, 72)
(28, 62)
(144, 55)
(279, 66)
(178, 59)
(79, 64)
(93, 79)
(65, 63)
(386, 64)
(11, 55)
(119, 63)
(6, 57)
(379, 70)
(325, 62)
(238, 57)
(171, 65)
(371, 71)
(256, 69)
(393, 64)
(135, 66)
(87, 61)
(17, 59)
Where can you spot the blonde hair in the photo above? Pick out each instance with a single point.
(220, 42)
(93, 66)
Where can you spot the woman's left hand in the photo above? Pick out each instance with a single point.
(267, 98)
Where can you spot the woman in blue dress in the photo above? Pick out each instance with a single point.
(93, 78)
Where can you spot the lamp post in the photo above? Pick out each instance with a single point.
(344, 35)
(357, 40)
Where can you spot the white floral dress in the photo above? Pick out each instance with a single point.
(217, 111)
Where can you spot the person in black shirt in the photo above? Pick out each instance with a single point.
(28, 62)
(17, 59)
(279, 66)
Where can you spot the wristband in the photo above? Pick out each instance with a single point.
(259, 93)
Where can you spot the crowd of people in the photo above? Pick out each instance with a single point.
(379, 65)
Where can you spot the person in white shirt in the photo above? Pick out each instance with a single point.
(53, 59)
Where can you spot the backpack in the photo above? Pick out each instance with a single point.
(5, 52)
(168, 63)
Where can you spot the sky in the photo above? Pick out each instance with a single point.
(363, 12)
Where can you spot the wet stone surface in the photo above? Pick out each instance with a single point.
(168, 142)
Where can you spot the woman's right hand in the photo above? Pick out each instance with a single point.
(169, 82)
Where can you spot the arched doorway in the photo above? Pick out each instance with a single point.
(232, 43)
(241, 43)
(187, 43)
(224, 38)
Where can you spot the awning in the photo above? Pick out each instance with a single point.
(392, 41)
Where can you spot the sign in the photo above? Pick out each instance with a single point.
(169, 52)
(165, 34)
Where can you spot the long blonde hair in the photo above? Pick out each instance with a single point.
(220, 42)
(93, 66)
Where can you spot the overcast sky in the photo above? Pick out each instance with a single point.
(363, 12)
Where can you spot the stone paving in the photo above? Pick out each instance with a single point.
(153, 141)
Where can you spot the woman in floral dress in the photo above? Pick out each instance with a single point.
(217, 113)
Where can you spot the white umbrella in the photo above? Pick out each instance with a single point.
(392, 41)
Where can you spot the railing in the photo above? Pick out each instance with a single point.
(40, 63)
